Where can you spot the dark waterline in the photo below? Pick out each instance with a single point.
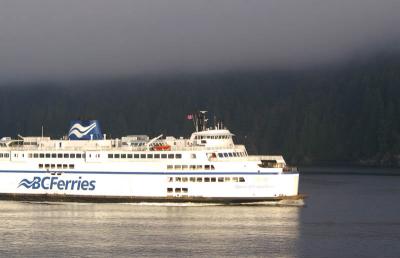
(344, 216)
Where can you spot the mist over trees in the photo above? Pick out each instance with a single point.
(332, 115)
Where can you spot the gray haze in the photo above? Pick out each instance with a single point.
(88, 38)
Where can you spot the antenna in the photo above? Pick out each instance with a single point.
(42, 131)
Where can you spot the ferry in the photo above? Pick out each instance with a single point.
(86, 166)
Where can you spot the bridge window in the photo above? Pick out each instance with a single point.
(220, 155)
(129, 156)
(169, 190)
(184, 167)
(135, 156)
(149, 156)
(47, 155)
(163, 156)
(66, 155)
(71, 166)
(206, 179)
(110, 156)
(184, 190)
(41, 155)
(184, 179)
(220, 179)
(156, 156)
(170, 156)
(123, 156)
(169, 167)
(213, 179)
(142, 156)
(78, 156)
(178, 156)
(192, 179)
(199, 179)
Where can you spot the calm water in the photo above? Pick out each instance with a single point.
(345, 216)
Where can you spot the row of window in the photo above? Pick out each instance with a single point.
(57, 155)
(231, 154)
(201, 137)
(4, 155)
(56, 166)
(145, 156)
(177, 190)
(205, 179)
(190, 167)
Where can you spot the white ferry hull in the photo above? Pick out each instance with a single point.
(148, 187)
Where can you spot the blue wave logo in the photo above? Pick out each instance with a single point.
(28, 184)
(79, 131)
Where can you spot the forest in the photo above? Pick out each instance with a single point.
(345, 114)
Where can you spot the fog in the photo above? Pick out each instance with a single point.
(70, 39)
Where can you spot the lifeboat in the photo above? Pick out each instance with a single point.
(162, 148)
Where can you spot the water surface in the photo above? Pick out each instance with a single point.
(344, 216)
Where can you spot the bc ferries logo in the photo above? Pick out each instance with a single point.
(50, 183)
(84, 130)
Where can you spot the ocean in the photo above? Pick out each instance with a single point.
(343, 216)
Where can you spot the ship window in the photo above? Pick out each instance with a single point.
(212, 167)
(59, 155)
(220, 155)
(142, 156)
(40, 165)
(110, 156)
(71, 166)
(192, 167)
(65, 166)
(116, 156)
(170, 156)
(235, 154)
(235, 179)
(59, 166)
(199, 179)
(47, 155)
(136, 156)
(149, 156)
(193, 156)
(66, 155)
(220, 179)
(178, 167)
(78, 156)
(35, 155)
(1, 155)
(184, 179)
(192, 179)
(123, 156)
(178, 156)
(184, 167)
(41, 155)
(213, 179)
(72, 155)
(241, 179)
(177, 190)
(169, 167)
(53, 155)
(207, 167)
(30, 155)
(230, 154)
(53, 166)
(184, 190)
(163, 156)
(6, 155)
(156, 156)
(47, 166)
(177, 179)
(206, 179)
(169, 190)
(225, 155)
(199, 167)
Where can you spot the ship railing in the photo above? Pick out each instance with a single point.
(119, 148)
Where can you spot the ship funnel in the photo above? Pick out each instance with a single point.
(85, 130)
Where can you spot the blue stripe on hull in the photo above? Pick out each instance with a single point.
(139, 173)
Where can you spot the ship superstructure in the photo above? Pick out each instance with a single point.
(87, 166)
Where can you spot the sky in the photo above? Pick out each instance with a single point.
(53, 39)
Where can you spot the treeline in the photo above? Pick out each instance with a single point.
(344, 115)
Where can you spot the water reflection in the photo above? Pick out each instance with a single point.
(126, 230)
